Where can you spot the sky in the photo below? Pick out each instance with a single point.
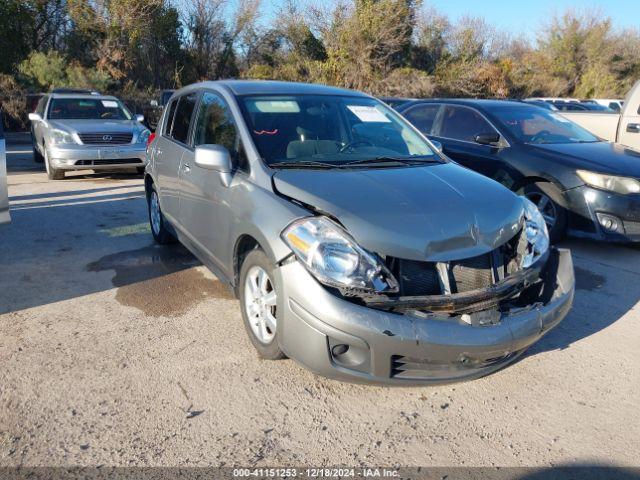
(515, 16)
(527, 17)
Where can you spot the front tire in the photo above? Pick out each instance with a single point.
(159, 230)
(52, 173)
(259, 291)
(555, 216)
(37, 156)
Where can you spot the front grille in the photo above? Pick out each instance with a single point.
(470, 274)
(417, 278)
(631, 228)
(106, 138)
(419, 368)
(112, 161)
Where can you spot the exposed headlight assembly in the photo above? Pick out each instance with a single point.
(536, 233)
(143, 136)
(60, 137)
(335, 259)
(613, 183)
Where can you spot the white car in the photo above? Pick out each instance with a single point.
(612, 103)
(622, 128)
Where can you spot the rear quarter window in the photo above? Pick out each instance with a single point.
(182, 118)
(168, 122)
(422, 116)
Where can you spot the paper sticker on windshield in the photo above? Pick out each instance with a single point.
(109, 104)
(368, 114)
(276, 106)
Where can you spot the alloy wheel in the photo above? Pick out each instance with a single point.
(260, 301)
(546, 206)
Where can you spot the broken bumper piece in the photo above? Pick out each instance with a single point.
(400, 342)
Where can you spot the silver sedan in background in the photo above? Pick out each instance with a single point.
(94, 132)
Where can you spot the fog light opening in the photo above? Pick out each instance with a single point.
(340, 349)
(609, 222)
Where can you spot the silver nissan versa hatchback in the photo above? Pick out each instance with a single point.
(353, 245)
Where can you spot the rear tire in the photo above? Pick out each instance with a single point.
(159, 230)
(52, 173)
(259, 291)
(554, 215)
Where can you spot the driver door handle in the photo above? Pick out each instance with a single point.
(186, 168)
(633, 128)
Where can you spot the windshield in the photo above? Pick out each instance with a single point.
(87, 109)
(334, 130)
(536, 125)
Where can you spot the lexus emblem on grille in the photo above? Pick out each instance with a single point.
(107, 138)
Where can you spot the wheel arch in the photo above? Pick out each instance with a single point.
(148, 184)
(243, 245)
(548, 186)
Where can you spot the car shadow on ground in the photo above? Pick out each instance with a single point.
(65, 245)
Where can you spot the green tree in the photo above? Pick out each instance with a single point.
(16, 25)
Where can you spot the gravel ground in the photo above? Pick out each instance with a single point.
(118, 352)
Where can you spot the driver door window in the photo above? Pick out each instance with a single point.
(215, 126)
(463, 123)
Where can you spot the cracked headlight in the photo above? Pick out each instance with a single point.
(334, 258)
(143, 136)
(60, 137)
(536, 232)
(613, 183)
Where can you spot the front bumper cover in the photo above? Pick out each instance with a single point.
(80, 157)
(405, 349)
(585, 203)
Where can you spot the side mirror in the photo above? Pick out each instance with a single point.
(437, 145)
(139, 118)
(492, 139)
(213, 157)
(34, 117)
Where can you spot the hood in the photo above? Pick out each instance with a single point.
(431, 213)
(602, 157)
(96, 126)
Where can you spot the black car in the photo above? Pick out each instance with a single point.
(396, 102)
(582, 185)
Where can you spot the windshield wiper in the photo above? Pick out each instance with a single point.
(302, 164)
(385, 159)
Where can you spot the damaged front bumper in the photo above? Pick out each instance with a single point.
(453, 341)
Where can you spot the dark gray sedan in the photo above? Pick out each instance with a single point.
(353, 245)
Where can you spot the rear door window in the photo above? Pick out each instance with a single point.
(463, 123)
(422, 116)
(182, 118)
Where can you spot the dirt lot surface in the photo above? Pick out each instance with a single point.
(115, 351)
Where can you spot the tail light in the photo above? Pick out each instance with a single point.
(151, 138)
